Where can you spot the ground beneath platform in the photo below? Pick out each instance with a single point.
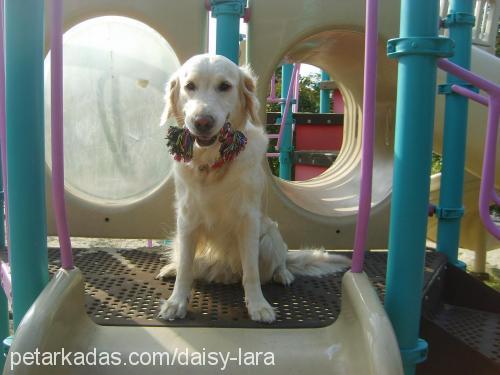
(121, 290)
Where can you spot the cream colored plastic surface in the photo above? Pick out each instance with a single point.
(361, 341)
(329, 34)
(92, 210)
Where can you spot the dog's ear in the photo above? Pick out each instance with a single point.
(248, 83)
(171, 98)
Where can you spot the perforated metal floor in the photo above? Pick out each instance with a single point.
(121, 290)
(480, 330)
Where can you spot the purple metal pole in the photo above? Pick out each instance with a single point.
(470, 94)
(3, 129)
(272, 94)
(370, 80)
(6, 280)
(484, 101)
(287, 104)
(488, 86)
(487, 190)
(296, 91)
(56, 65)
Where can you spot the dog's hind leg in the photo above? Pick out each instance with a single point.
(273, 252)
(169, 270)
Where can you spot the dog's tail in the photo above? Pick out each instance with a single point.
(315, 262)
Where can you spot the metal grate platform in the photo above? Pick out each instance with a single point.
(480, 330)
(121, 290)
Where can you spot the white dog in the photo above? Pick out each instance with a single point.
(222, 233)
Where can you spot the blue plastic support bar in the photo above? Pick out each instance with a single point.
(324, 95)
(228, 14)
(25, 151)
(459, 22)
(286, 146)
(417, 50)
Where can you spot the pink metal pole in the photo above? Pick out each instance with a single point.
(484, 101)
(287, 104)
(6, 280)
(56, 65)
(3, 129)
(470, 94)
(487, 191)
(370, 79)
(488, 86)
(272, 94)
(296, 91)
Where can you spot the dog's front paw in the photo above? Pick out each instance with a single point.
(261, 311)
(174, 307)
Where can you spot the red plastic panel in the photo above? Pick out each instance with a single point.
(338, 102)
(318, 137)
(306, 172)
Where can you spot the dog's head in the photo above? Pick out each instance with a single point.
(208, 90)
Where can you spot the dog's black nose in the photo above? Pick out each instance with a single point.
(204, 123)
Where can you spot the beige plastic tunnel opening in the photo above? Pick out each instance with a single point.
(335, 192)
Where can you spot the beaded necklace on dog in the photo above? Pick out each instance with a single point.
(180, 142)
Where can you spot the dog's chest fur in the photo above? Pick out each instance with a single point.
(215, 199)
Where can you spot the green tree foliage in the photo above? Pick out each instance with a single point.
(309, 93)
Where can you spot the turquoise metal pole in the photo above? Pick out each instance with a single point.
(324, 95)
(24, 25)
(228, 14)
(417, 50)
(286, 147)
(450, 210)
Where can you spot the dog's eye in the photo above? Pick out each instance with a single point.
(224, 86)
(190, 86)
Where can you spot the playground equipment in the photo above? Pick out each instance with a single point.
(309, 204)
(326, 207)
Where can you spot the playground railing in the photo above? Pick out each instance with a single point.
(487, 193)
(289, 97)
(56, 65)
(369, 97)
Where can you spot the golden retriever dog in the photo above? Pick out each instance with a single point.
(223, 235)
